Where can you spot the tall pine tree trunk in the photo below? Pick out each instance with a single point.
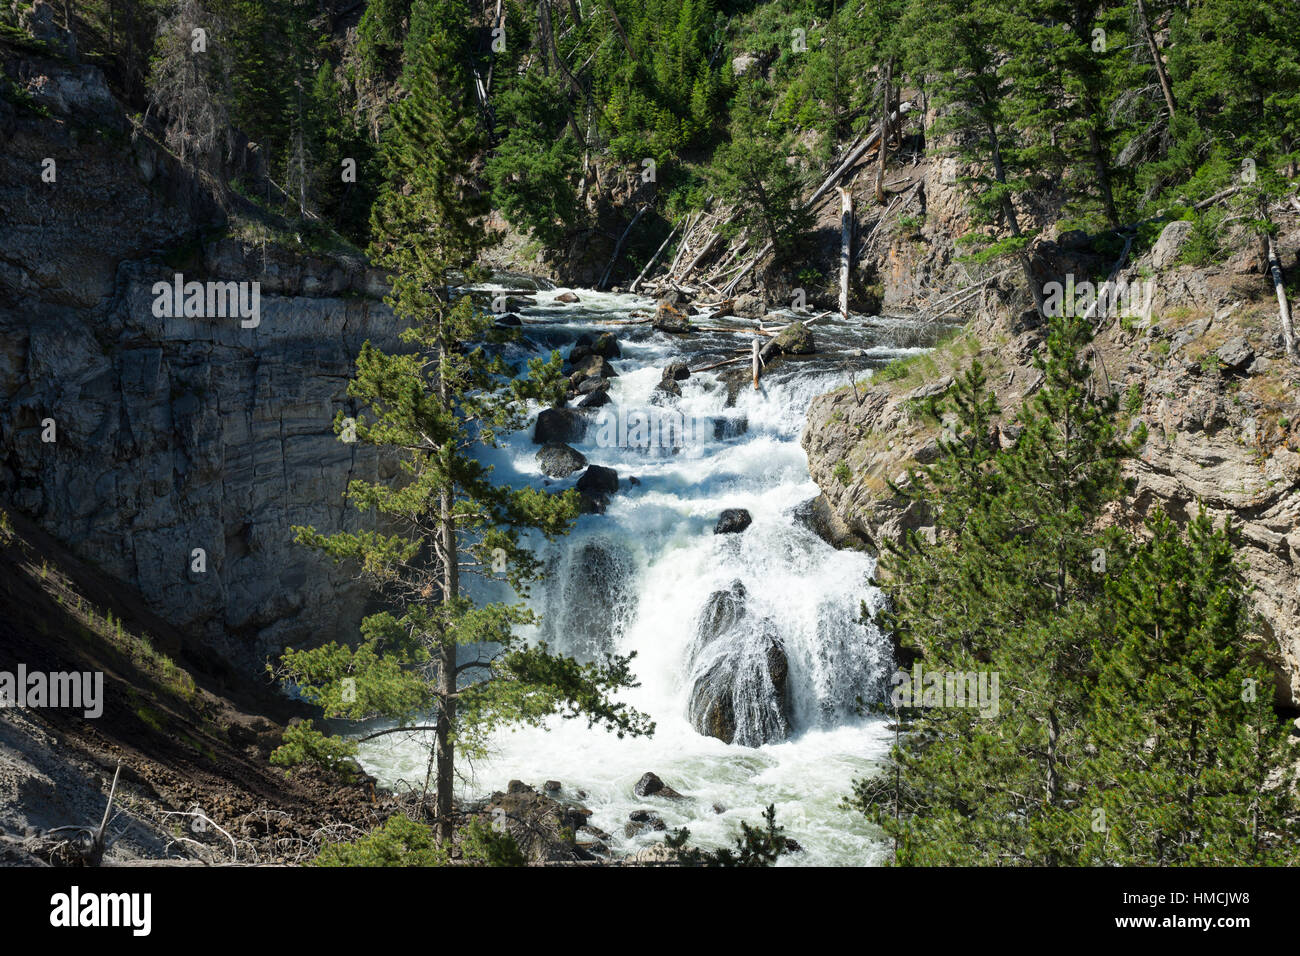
(1013, 220)
(1102, 168)
(1165, 87)
(446, 747)
(884, 131)
(1053, 743)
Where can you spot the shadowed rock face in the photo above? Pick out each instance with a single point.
(739, 673)
(196, 434)
(174, 434)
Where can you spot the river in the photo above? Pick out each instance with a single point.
(640, 577)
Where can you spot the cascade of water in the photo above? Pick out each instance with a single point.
(750, 652)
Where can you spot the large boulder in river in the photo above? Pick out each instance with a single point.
(558, 460)
(733, 521)
(666, 392)
(598, 479)
(568, 298)
(739, 673)
(669, 318)
(594, 365)
(595, 399)
(559, 425)
(723, 610)
(595, 486)
(795, 339)
(607, 346)
(582, 348)
(750, 305)
(651, 786)
(586, 384)
(677, 371)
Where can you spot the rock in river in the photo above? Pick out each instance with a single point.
(733, 521)
(558, 460)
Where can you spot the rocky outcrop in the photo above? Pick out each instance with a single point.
(1208, 378)
(544, 829)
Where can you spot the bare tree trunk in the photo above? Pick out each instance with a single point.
(622, 36)
(1053, 735)
(884, 132)
(1101, 164)
(846, 247)
(653, 259)
(1013, 220)
(543, 34)
(492, 62)
(618, 248)
(1283, 306)
(1165, 87)
(756, 345)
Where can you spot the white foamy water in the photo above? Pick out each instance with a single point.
(639, 577)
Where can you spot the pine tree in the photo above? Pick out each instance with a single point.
(960, 47)
(1008, 589)
(752, 171)
(1186, 744)
(1061, 60)
(535, 167)
(433, 406)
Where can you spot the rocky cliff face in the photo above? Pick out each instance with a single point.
(1207, 375)
(171, 434)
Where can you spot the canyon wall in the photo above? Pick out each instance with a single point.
(172, 434)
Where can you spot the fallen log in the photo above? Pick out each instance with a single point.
(1110, 280)
(686, 242)
(849, 162)
(718, 328)
(702, 253)
(649, 265)
(855, 155)
(707, 368)
(964, 293)
(618, 246)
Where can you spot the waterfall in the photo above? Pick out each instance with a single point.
(750, 650)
